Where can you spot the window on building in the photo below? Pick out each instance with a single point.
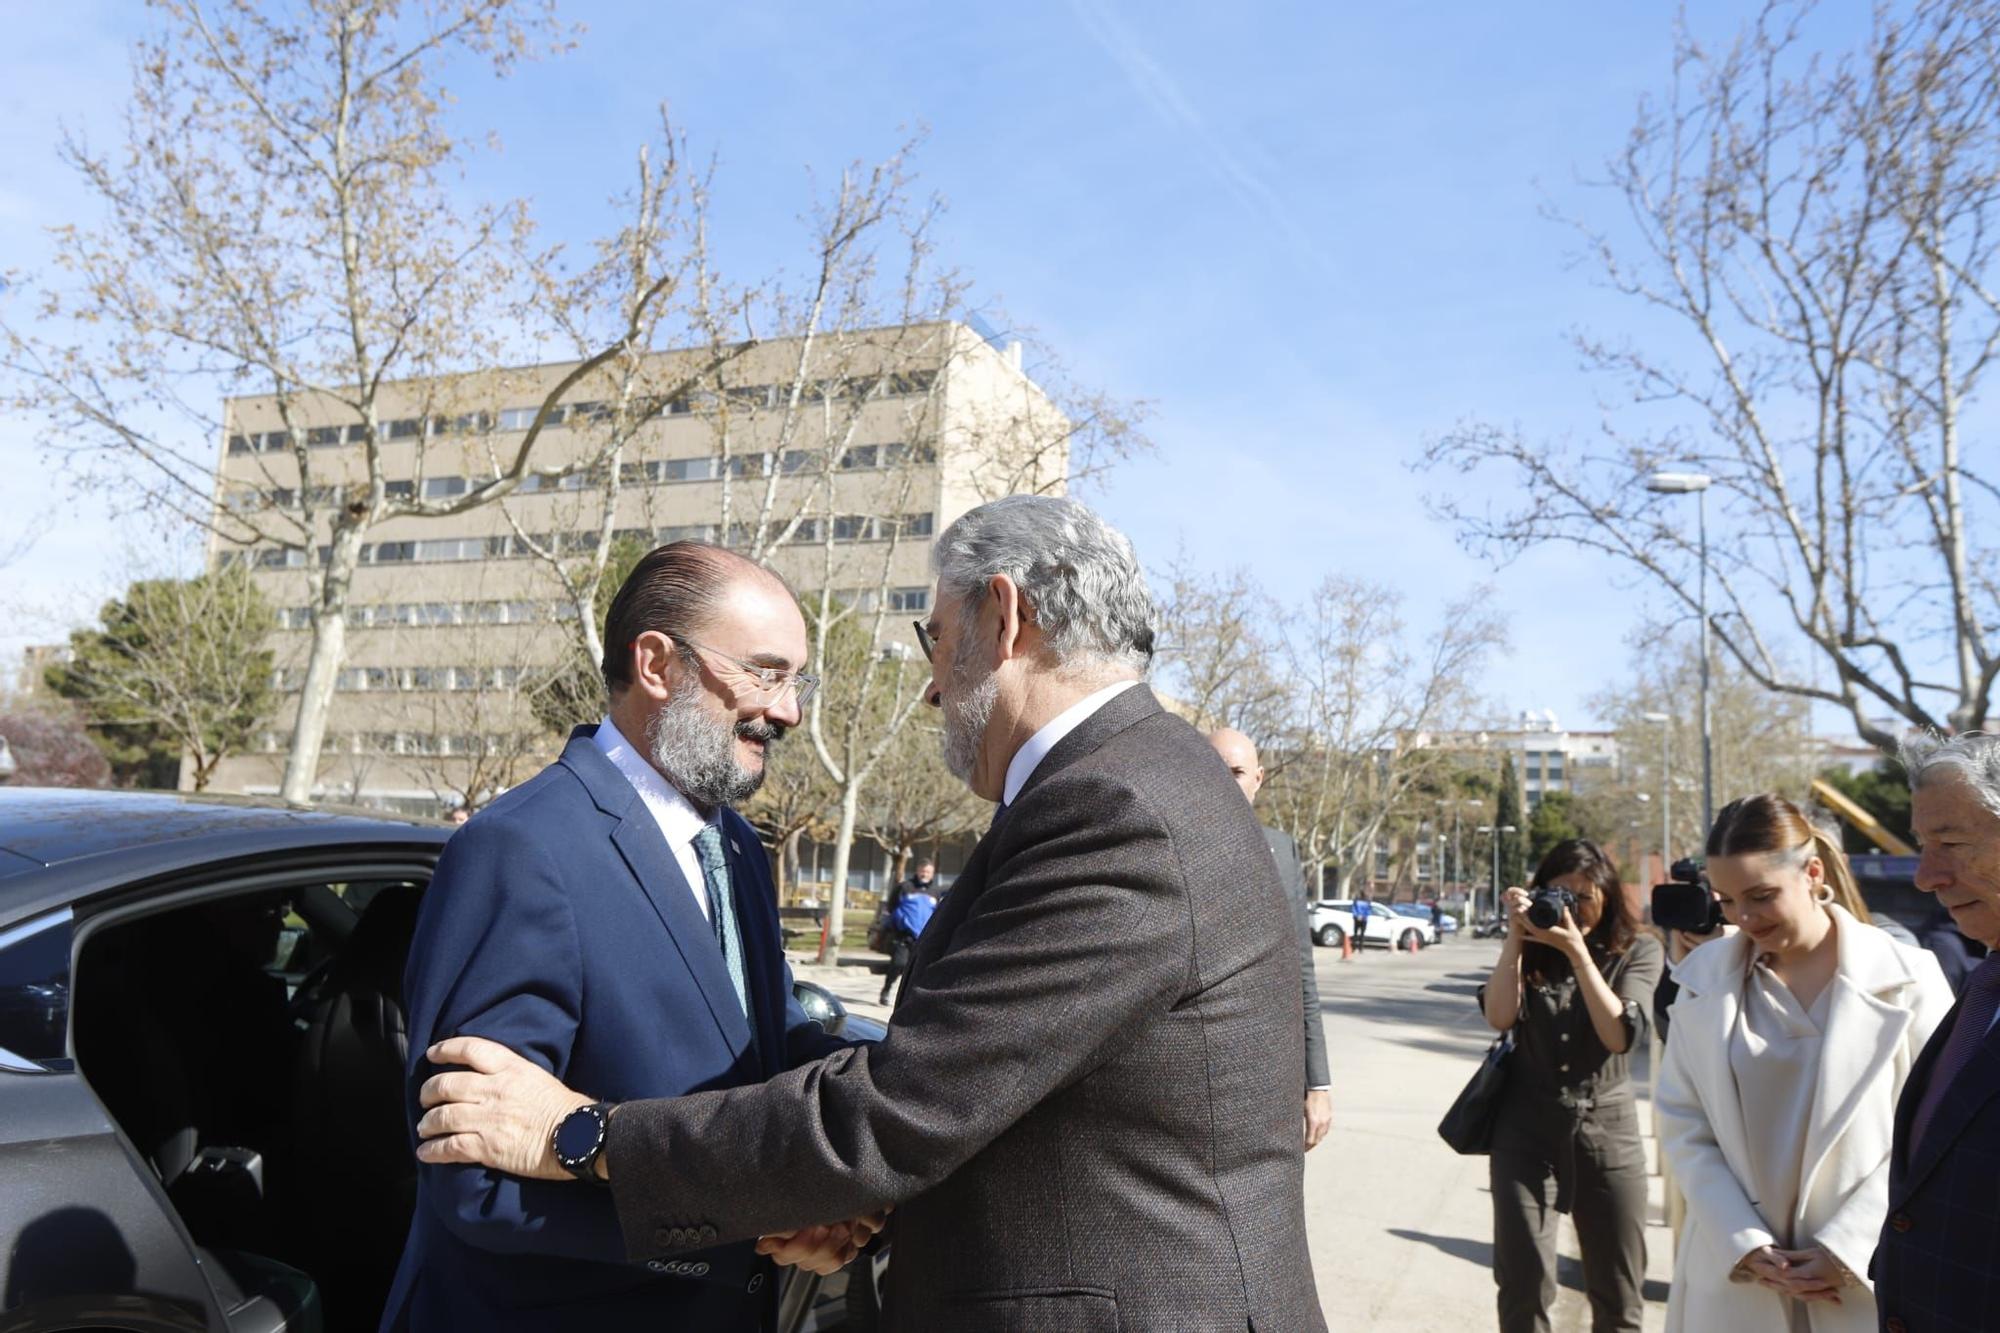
(910, 599)
(325, 437)
(517, 418)
(443, 488)
(406, 428)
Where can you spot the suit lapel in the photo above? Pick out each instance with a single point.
(757, 922)
(646, 854)
(1901, 1180)
(1977, 1083)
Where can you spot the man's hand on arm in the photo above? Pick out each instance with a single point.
(499, 1111)
(825, 1249)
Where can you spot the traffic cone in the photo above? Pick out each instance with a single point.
(1346, 948)
(1413, 944)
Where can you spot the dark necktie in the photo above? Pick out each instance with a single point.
(722, 914)
(1975, 1016)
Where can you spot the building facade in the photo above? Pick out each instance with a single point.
(836, 463)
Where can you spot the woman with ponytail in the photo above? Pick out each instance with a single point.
(1792, 1039)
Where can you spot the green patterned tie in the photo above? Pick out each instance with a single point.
(722, 912)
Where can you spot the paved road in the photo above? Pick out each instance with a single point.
(1401, 1226)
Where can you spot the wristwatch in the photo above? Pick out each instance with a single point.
(579, 1138)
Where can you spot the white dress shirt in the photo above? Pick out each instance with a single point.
(676, 815)
(1029, 757)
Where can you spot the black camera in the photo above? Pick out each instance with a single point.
(1686, 904)
(1546, 906)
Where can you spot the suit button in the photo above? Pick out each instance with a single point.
(755, 1284)
(1901, 1222)
(657, 1265)
(708, 1235)
(664, 1237)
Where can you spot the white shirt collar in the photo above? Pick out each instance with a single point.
(1029, 757)
(676, 815)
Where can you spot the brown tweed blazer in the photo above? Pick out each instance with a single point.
(1087, 1106)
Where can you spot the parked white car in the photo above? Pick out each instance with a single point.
(1333, 921)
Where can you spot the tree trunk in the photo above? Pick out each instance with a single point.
(843, 850)
(329, 650)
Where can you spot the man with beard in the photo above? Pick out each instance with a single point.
(613, 919)
(1077, 1110)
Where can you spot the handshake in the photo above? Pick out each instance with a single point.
(499, 1110)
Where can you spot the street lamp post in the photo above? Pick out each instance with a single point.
(1495, 841)
(1697, 483)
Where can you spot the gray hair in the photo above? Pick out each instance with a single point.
(1080, 576)
(1973, 755)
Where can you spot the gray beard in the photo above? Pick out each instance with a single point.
(697, 753)
(965, 723)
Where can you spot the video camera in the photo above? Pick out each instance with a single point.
(1686, 903)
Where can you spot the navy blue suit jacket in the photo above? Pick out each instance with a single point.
(559, 924)
(1937, 1269)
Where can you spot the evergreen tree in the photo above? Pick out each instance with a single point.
(1554, 821)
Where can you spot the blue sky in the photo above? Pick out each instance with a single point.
(1309, 235)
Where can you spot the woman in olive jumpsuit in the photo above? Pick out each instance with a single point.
(1566, 1140)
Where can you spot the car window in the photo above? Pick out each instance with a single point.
(34, 992)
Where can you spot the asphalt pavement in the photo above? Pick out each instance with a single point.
(1401, 1227)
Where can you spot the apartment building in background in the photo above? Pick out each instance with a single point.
(845, 459)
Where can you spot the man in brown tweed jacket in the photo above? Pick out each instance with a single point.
(1075, 1112)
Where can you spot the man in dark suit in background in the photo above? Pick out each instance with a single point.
(1239, 752)
(613, 920)
(1937, 1269)
(1074, 1110)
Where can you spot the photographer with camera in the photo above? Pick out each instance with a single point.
(1777, 1100)
(1572, 984)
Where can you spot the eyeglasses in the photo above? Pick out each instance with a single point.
(771, 681)
(924, 640)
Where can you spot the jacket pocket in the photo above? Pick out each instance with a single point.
(1043, 1309)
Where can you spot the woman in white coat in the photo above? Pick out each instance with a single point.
(1791, 1040)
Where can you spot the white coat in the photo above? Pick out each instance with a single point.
(1886, 999)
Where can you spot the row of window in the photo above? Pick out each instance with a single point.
(711, 467)
(424, 615)
(746, 397)
(402, 742)
(503, 546)
(418, 679)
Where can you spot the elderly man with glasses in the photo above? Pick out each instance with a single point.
(1078, 1112)
(613, 920)
(1937, 1268)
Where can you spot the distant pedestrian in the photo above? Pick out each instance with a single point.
(1360, 911)
(1240, 753)
(1437, 917)
(908, 910)
(1940, 1249)
(457, 816)
(1792, 1040)
(1566, 1139)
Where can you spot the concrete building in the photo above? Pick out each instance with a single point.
(842, 460)
(1547, 755)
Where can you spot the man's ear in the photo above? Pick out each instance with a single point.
(655, 659)
(1014, 616)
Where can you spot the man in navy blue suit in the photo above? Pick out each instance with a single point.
(613, 919)
(1937, 1268)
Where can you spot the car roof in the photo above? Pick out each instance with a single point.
(43, 827)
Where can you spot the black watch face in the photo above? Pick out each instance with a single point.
(577, 1135)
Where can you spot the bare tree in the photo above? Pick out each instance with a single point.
(1366, 703)
(280, 222)
(1763, 742)
(916, 802)
(1821, 233)
(50, 746)
(1219, 642)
